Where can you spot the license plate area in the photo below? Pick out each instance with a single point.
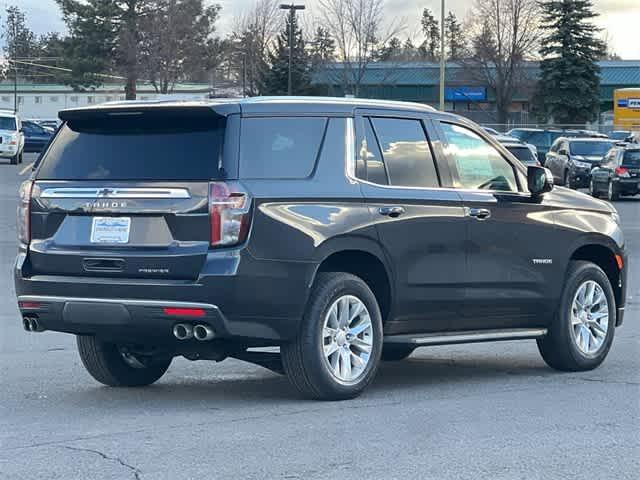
(110, 230)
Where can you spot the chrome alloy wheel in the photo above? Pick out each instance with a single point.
(347, 338)
(589, 317)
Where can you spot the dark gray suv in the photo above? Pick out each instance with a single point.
(341, 231)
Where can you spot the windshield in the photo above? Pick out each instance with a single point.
(596, 149)
(119, 151)
(619, 135)
(7, 123)
(523, 154)
(631, 159)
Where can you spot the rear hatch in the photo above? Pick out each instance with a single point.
(124, 193)
(631, 162)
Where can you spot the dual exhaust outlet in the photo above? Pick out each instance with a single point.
(31, 324)
(186, 331)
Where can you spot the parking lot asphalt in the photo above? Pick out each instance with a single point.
(488, 411)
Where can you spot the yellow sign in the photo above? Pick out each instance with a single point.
(626, 109)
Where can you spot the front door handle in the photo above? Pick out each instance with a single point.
(392, 212)
(480, 213)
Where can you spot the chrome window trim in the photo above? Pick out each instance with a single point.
(116, 192)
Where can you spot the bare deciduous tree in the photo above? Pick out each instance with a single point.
(504, 34)
(358, 29)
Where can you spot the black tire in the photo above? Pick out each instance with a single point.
(612, 192)
(565, 179)
(303, 358)
(14, 160)
(593, 191)
(558, 348)
(21, 158)
(105, 363)
(395, 353)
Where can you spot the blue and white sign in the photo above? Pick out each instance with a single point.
(465, 94)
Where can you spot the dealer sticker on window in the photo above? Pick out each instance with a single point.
(110, 229)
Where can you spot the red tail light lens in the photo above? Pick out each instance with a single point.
(184, 312)
(24, 212)
(622, 172)
(229, 213)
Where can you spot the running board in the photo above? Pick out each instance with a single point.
(470, 336)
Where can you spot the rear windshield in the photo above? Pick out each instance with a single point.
(7, 123)
(133, 149)
(590, 148)
(523, 154)
(631, 159)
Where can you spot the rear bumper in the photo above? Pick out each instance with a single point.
(627, 185)
(243, 299)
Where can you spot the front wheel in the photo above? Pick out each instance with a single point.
(582, 331)
(337, 350)
(114, 366)
(592, 189)
(612, 192)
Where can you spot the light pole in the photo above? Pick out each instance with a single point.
(15, 67)
(442, 64)
(292, 10)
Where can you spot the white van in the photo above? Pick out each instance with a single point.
(11, 137)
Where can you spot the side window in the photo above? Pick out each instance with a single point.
(478, 164)
(369, 154)
(405, 152)
(280, 147)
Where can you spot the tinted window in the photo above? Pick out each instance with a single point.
(590, 148)
(539, 139)
(7, 123)
(135, 150)
(631, 159)
(370, 155)
(406, 152)
(280, 147)
(478, 164)
(523, 154)
(619, 135)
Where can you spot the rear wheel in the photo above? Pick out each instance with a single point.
(14, 160)
(337, 350)
(565, 179)
(114, 366)
(395, 353)
(592, 189)
(582, 332)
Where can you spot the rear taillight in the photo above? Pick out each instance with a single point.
(229, 213)
(622, 172)
(24, 211)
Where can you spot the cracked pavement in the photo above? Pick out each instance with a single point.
(490, 411)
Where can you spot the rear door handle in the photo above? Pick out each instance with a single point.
(392, 212)
(479, 213)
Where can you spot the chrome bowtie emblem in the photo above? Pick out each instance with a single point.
(105, 192)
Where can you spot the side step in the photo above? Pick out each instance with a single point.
(469, 336)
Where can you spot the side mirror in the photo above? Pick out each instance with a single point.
(539, 180)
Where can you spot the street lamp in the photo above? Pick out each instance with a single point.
(442, 64)
(292, 10)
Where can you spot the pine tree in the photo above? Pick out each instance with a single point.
(391, 50)
(569, 84)
(456, 43)
(323, 48)
(276, 78)
(430, 48)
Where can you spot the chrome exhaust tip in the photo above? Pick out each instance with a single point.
(31, 324)
(26, 323)
(203, 332)
(183, 331)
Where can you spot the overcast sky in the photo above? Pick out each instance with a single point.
(620, 18)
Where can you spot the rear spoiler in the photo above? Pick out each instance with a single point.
(155, 110)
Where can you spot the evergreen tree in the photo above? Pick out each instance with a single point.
(20, 43)
(323, 48)
(430, 48)
(569, 84)
(391, 50)
(456, 43)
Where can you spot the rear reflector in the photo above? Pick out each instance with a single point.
(184, 312)
(29, 305)
(619, 261)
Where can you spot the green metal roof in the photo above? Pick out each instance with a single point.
(619, 73)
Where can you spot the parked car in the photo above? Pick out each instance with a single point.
(514, 141)
(620, 135)
(11, 137)
(491, 131)
(343, 231)
(618, 174)
(571, 160)
(541, 138)
(522, 152)
(35, 136)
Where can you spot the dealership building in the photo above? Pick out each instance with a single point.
(465, 93)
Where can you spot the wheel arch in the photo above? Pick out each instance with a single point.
(365, 259)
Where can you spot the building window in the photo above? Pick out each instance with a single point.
(53, 99)
(38, 99)
(89, 99)
(73, 99)
(6, 99)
